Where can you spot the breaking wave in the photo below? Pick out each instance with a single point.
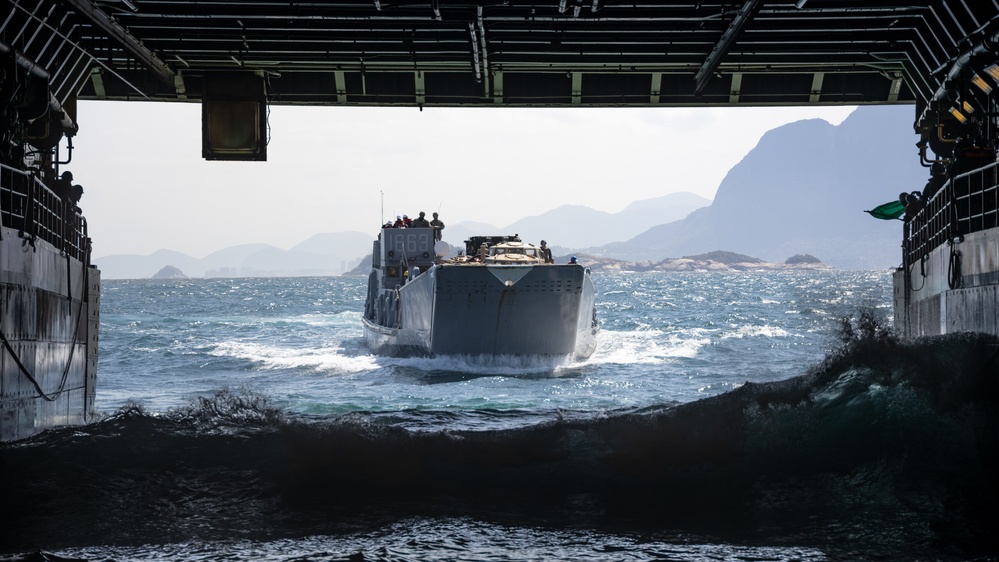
(888, 448)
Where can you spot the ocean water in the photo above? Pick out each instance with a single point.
(724, 416)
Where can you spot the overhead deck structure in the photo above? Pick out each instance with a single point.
(503, 52)
(498, 52)
(237, 57)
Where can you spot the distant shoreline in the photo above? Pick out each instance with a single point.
(710, 262)
(693, 266)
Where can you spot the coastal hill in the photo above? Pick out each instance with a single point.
(803, 189)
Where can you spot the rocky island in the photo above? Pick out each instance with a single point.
(169, 272)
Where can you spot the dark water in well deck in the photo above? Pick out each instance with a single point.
(723, 417)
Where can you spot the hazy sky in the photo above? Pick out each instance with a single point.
(147, 187)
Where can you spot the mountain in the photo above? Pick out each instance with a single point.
(802, 189)
(322, 254)
(134, 266)
(275, 262)
(336, 244)
(561, 226)
(232, 256)
(659, 210)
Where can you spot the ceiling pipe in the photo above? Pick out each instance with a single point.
(951, 83)
(711, 64)
(24, 62)
(55, 108)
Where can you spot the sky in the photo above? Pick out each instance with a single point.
(335, 169)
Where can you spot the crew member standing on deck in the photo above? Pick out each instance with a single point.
(421, 221)
(63, 186)
(438, 225)
(69, 194)
(75, 194)
(546, 253)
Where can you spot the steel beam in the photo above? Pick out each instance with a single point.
(157, 67)
(735, 28)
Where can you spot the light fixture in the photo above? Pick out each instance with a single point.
(993, 72)
(958, 115)
(800, 4)
(967, 107)
(980, 82)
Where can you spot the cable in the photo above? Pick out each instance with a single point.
(72, 349)
(954, 278)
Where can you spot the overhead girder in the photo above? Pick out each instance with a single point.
(116, 32)
(721, 48)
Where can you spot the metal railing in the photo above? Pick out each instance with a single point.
(967, 203)
(30, 207)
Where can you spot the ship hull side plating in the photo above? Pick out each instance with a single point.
(49, 317)
(931, 307)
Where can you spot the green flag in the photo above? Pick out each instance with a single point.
(888, 211)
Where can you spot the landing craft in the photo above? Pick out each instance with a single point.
(498, 297)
